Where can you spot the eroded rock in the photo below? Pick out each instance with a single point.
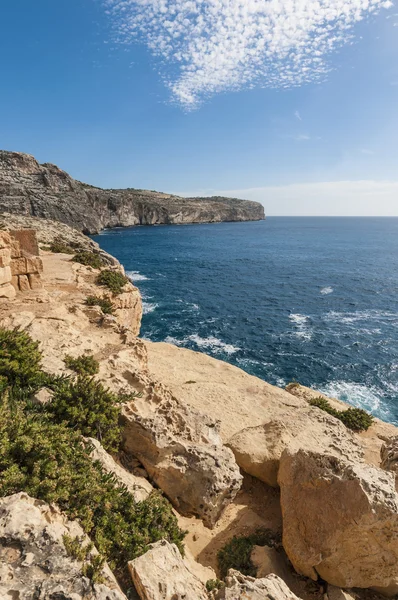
(241, 587)
(161, 574)
(33, 560)
(340, 520)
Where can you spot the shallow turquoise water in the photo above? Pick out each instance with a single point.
(306, 299)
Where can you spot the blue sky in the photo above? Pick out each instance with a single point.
(290, 102)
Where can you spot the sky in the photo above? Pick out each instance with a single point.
(289, 102)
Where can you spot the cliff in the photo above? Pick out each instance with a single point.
(260, 479)
(45, 191)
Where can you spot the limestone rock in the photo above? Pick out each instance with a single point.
(340, 520)
(7, 292)
(35, 281)
(241, 587)
(43, 396)
(161, 574)
(5, 275)
(23, 283)
(258, 449)
(33, 560)
(138, 487)
(336, 593)
(5, 257)
(5, 239)
(28, 188)
(389, 455)
(182, 451)
(268, 560)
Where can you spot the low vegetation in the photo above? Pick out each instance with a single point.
(59, 246)
(356, 419)
(236, 554)
(113, 280)
(89, 259)
(105, 304)
(82, 365)
(42, 454)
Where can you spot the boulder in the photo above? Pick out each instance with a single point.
(138, 487)
(258, 449)
(5, 275)
(241, 587)
(181, 450)
(161, 574)
(340, 520)
(336, 593)
(7, 292)
(34, 562)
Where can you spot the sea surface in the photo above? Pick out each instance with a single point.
(313, 300)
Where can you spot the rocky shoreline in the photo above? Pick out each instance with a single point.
(278, 497)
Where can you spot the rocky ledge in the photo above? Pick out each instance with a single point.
(278, 497)
(45, 191)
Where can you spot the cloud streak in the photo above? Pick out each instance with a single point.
(211, 46)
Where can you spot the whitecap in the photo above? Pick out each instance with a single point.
(327, 290)
(211, 342)
(301, 322)
(148, 307)
(136, 276)
(356, 394)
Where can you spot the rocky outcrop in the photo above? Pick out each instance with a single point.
(138, 487)
(258, 450)
(240, 587)
(28, 188)
(34, 562)
(340, 520)
(182, 451)
(161, 574)
(389, 455)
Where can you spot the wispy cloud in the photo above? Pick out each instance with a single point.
(367, 151)
(297, 115)
(212, 46)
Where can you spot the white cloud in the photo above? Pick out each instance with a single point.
(211, 46)
(297, 115)
(331, 198)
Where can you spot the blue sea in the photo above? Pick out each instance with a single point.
(308, 299)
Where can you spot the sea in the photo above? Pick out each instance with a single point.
(306, 299)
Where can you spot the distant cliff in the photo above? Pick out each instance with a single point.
(28, 188)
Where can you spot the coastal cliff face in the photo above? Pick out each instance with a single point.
(45, 191)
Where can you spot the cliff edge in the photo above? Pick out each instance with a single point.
(31, 189)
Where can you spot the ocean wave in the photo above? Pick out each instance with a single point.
(301, 323)
(148, 307)
(356, 394)
(361, 315)
(327, 290)
(136, 276)
(211, 342)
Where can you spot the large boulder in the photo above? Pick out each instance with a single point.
(258, 450)
(182, 451)
(161, 574)
(241, 587)
(34, 562)
(340, 520)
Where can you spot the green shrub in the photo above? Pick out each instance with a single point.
(90, 259)
(214, 584)
(237, 552)
(20, 359)
(48, 461)
(356, 419)
(105, 304)
(88, 407)
(114, 280)
(92, 563)
(82, 365)
(61, 247)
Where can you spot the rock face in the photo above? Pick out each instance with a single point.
(28, 188)
(340, 520)
(182, 451)
(33, 560)
(240, 587)
(389, 455)
(258, 450)
(161, 574)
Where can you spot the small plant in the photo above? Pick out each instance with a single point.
(105, 304)
(114, 280)
(20, 359)
(82, 365)
(214, 584)
(61, 247)
(88, 407)
(356, 419)
(236, 554)
(89, 259)
(292, 385)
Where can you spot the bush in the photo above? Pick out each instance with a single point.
(237, 552)
(48, 461)
(90, 259)
(61, 247)
(20, 359)
(214, 584)
(105, 304)
(88, 407)
(114, 280)
(82, 365)
(356, 419)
